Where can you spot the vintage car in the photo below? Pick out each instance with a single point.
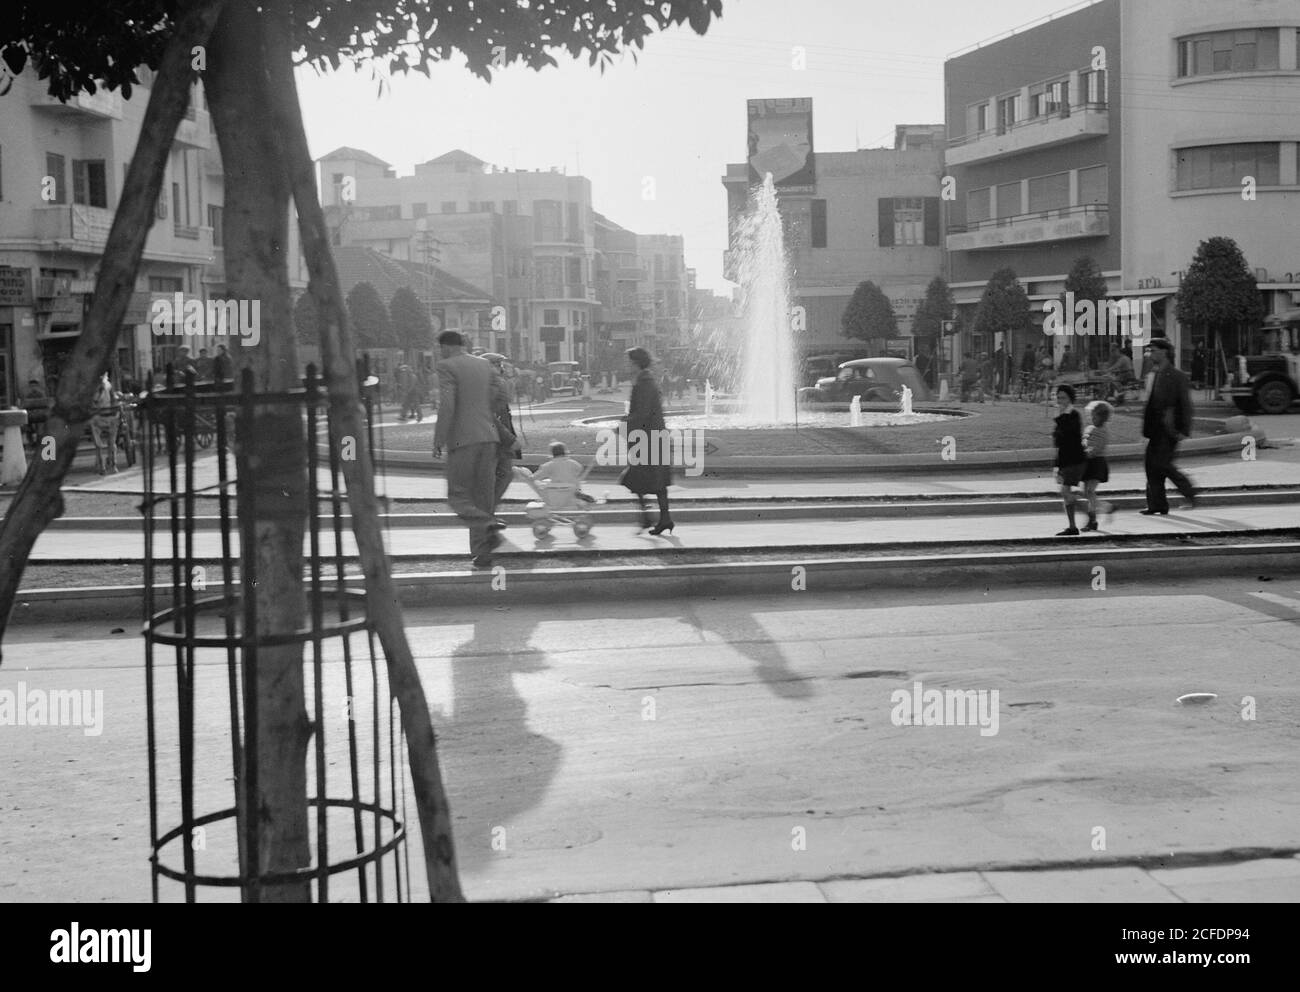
(876, 380)
(565, 378)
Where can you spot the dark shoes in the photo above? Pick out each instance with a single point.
(1154, 513)
(1069, 532)
(665, 524)
(494, 539)
(1091, 525)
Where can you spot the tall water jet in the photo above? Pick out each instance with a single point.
(767, 393)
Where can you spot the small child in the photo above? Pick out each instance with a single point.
(1070, 456)
(563, 470)
(1096, 470)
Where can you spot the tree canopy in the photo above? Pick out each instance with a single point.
(369, 317)
(410, 320)
(81, 45)
(1004, 305)
(869, 314)
(933, 310)
(1219, 289)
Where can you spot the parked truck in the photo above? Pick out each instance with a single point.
(1268, 382)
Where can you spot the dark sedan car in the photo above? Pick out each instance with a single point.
(876, 380)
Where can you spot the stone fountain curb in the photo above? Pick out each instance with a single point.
(420, 463)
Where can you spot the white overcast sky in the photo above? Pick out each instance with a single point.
(677, 114)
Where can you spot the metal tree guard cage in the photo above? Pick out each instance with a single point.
(355, 757)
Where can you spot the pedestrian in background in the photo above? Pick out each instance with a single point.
(646, 414)
(508, 448)
(969, 375)
(469, 391)
(1070, 456)
(103, 426)
(1165, 422)
(223, 366)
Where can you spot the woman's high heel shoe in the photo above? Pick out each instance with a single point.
(665, 525)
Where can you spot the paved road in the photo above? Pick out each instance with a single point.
(771, 754)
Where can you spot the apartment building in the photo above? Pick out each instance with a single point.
(62, 169)
(528, 237)
(871, 214)
(1125, 130)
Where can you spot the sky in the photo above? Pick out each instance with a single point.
(678, 112)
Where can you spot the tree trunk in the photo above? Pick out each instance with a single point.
(337, 351)
(256, 235)
(39, 499)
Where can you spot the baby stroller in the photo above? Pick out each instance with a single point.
(557, 503)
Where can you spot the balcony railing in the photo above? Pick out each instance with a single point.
(1066, 223)
(1069, 123)
(562, 291)
(187, 231)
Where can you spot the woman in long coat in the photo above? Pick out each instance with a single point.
(646, 414)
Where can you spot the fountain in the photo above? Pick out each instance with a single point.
(767, 394)
(765, 367)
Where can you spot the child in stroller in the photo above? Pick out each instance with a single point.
(558, 484)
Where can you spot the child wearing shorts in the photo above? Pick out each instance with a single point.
(1096, 470)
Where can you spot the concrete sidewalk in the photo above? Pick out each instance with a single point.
(722, 536)
(1272, 880)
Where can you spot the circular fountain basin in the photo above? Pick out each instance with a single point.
(809, 418)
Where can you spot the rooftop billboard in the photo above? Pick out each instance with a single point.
(781, 142)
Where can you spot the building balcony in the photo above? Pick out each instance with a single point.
(101, 105)
(1066, 224)
(573, 292)
(1087, 120)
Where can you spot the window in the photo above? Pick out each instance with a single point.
(979, 205)
(214, 222)
(1008, 112)
(977, 118)
(659, 268)
(1223, 166)
(176, 202)
(89, 183)
(1228, 51)
(1049, 193)
(166, 284)
(574, 273)
(909, 221)
(54, 169)
(1093, 84)
(2, 175)
(547, 218)
(575, 228)
(819, 223)
(419, 209)
(1009, 204)
(448, 206)
(160, 211)
(1094, 185)
(550, 317)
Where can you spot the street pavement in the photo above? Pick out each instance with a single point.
(675, 750)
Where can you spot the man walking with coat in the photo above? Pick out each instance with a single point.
(469, 389)
(1166, 421)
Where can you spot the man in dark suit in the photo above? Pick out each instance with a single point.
(1166, 421)
(469, 389)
